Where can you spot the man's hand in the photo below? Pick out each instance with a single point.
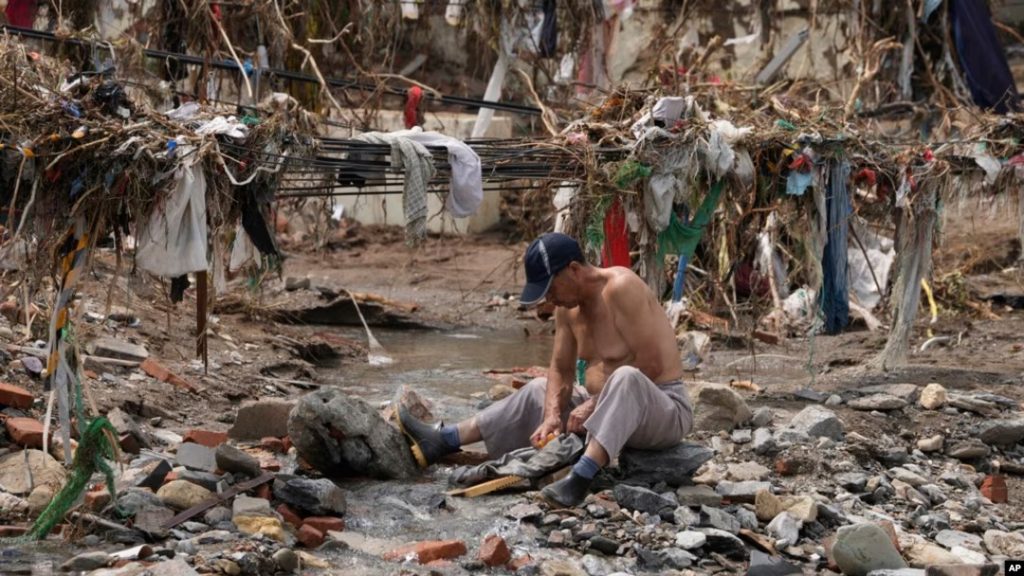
(579, 415)
(550, 426)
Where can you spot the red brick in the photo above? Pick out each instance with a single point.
(289, 515)
(208, 438)
(273, 444)
(310, 536)
(429, 550)
(494, 551)
(262, 491)
(325, 523)
(15, 396)
(158, 371)
(27, 432)
(7, 531)
(287, 443)
(519, 562)
(172, 475)
(270, 464)
(129, 443)
(994, 488)
(97, 499)
(442, 564)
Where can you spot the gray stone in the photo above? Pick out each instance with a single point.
(972, 564)
(604, 545)
(42, 469)
(205, 479)
(975, 405)
(674, 466)
(852, 481)
(741, 491)
(861, 548)
(150, 519)
(816, 422)
(33, 365)
(834, 400)
(131, 500)
(763, 442)
(763, 416)
(746, 471)
(318, 497)
(698, 495)
(340, 435)
(724, 543)
(216, 515)
(118, 349)
(677, 559)
(126, 424)
(1002, 432)
(762, 564)
(934, 493)
(747, 518)
(196, 457)
(718, 518)
(683, 517)
(593, 565)
(662, 561)
(233, 460)
(194, 527)
(898, 572)
(883, 402)
(906, 392)
(287, 560)
(528, 512)
(86, 562)
(1009, 544)
(788, 436)
(968, 450)
(261, 418)
(931, 444)
(248, 506)
(155, 473)
(182, 495)
(904, 475)
(690, 540)
(641, 499)
(718, 407)
(742, 436)
(953, 538)
(785, 529)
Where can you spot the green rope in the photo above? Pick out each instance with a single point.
(630, 172)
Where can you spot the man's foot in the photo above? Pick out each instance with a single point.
(426, 442)
(569, 491)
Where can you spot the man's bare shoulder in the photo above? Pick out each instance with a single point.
(624, 282)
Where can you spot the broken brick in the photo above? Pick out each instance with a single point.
(129, 443)
(310, 536)
(289, 515)
(156, 370)
(287, 440)
(325, 523)
(96, 499)
(262, 491)
(494, 551)
(791, 466)
(208, 438)
(15, 396)
(273, 444)
(519, 562)
(429, 550)
(27, 432)
(994, 488)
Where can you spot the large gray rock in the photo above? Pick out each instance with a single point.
(1002, 432)
(674, 466)
(741, 491)
(261, 418)
(724, 543)
(718, 518)
(319, 497)
(642, 499)
(816, 421)
(718, 407)
(785, 529)
(42, 469)
(342, 436)
(698, 495)
(905, 392)
(763, 442)
(196, 457)
(861, 548)
(762, 564)
(882, 402)
(1010, 544)
(86, 562)
(234, 460)
(968, 450)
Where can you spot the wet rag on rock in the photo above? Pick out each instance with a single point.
(524, 462)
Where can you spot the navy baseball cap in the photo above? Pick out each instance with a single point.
(545, 257)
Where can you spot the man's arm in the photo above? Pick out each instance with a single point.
(630, 310)
(562, 370)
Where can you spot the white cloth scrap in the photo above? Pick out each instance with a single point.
(174, 240)
(418, 164)
(467, 185)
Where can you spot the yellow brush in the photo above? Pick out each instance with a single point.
(487, 487)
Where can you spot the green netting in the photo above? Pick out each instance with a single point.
(630, 172)
(681, 238)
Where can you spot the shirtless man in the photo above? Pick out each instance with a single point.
(633, 395)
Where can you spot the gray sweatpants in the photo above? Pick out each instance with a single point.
(631, 411)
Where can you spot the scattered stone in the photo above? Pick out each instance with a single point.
(718, 407)
(258, 418)
(1009, 544)
(1002, 432)
(906, 392)
(33, 366)
(182, 495)
(642, 499)
(43, 469)
(975, 405)
(118, 349)
(690, 540)
(792, 465)
(816, 422)
(292, 284)
(762, 564)
(899, 572)
(963, 570)
(318, 497)
(741, 491)
(286, 560)
(763, 442)
(263, 525)
(494, 551)
(248, 506)
(718, 518)
(968, 450)
(662, 561)
(861, 548)
(594, 566)
(233, 460)
(86, 562)
(785, 529)
(204, 479)
(904, 475)
(196, 457)
(931, 444)
(921, 554)
(604, 545)
(746, 472)
(526, 512)
(933, 397)
(340, 435)
(674, 466)
(852, 481)
(953, 538)
(500, 392)
(763, 416)
(698, 495)
(724, 543)
(968, 556)
(683, 517)
(217, 514)
(834, 400)
(882, 402)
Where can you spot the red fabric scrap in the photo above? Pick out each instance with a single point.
(616, 237)
(412, 105)
(21, 13)
(867, 176)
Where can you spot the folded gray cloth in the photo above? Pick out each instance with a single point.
(525, 462)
